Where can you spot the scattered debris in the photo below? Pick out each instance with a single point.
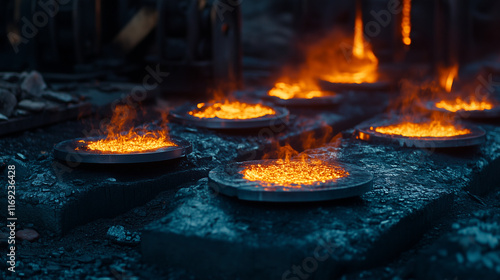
(30, 105)
(43, 155)
(25, 96)
(3, 162)
(45, 180)
(78, 182)
(27, 234)
(8, 102)
(58, 96)
(33, 84)
(118, 235)
(21, 113)
(4, 237)
(21, 156)
(21, 168)
(85, 259)
(140, 212)
(11, 77)
(470, 251)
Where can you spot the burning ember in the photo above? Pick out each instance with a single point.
(231, 110)
(135, 140)
(435, 128)
(294, 172)
(296, 90)
(462, 105)
(406, 22)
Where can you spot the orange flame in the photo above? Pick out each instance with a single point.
(358, 49)
(136, 140)
(333, 60)
(361, 67)
(414, 121)
(299, 89)
(447, 77)
(460, 101)
(459, 104)
(293, 169)
(232, 110)
(406, 22)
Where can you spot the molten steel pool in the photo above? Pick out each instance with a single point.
(433, 128)
(131, 142)
(290, 180)
(232, 110)
(294, 173)
(434, 133)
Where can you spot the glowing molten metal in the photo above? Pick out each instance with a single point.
(294, 172)
(131, 142)
(462, 105)
(232, 110)
(135, 140)
(297, 90)
(435, 128)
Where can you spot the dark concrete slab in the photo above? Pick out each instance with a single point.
(213, 235)
(58, 196)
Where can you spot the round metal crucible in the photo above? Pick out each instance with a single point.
(182, 115)
(229, 181)
(493, 113)
(477, 136)
(74, 151)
